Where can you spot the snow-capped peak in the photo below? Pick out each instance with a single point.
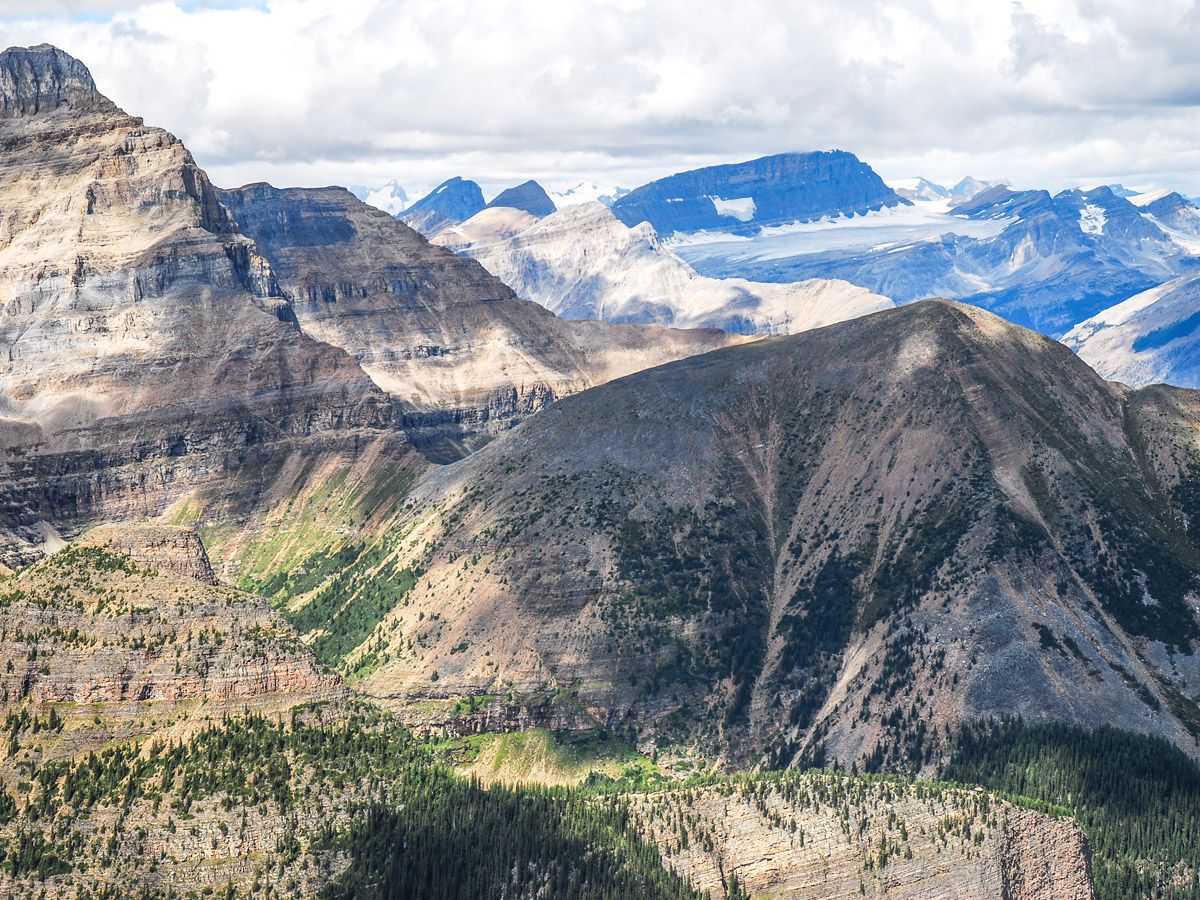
(587, 192)
(389, 197)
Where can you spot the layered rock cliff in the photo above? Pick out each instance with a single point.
(452, 343)
(817, 836)
(147, 346)
(115, 636)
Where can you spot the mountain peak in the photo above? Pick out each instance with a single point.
(43, 78)
(454, 200)
(528, 196)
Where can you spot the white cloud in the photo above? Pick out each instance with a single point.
(1053, 92)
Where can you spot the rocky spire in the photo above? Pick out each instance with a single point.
(43, 78)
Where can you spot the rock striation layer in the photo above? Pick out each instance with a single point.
(817, 836)
(147, 346)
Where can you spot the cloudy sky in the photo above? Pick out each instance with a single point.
(1048, 93)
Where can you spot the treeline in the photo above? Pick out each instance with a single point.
(1136, 797)
(453, 840)
(408, 825)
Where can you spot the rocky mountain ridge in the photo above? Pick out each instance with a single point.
(582, 262)
(845, 544)
(454, 346)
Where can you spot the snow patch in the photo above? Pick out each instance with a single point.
(1092, 219)
(740, 208)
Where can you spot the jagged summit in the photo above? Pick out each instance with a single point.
(43, 78)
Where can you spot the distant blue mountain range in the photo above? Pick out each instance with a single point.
(1052, 261)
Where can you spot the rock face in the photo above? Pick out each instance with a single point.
(743, 197)
(42, 79)
(584, 263)
(848, 540)
(139, 326)
(454, 200)
(528, 196)
(1151, 337)
(816, 836)
(163, 547)
(449, 341)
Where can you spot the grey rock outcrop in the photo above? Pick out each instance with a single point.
(42, 79)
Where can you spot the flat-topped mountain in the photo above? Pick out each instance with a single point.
(744, 197)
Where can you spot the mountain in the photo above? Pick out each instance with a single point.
(743, 197)
(1173, 213)
(583, 263)
(529, 196)
(1150, 338)
(919, 189)
(390, 197)
(459, 353)
(454, 200)
(148, 348)
(153, 354)
(587, 192)
(841, 545)
(970, 187)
